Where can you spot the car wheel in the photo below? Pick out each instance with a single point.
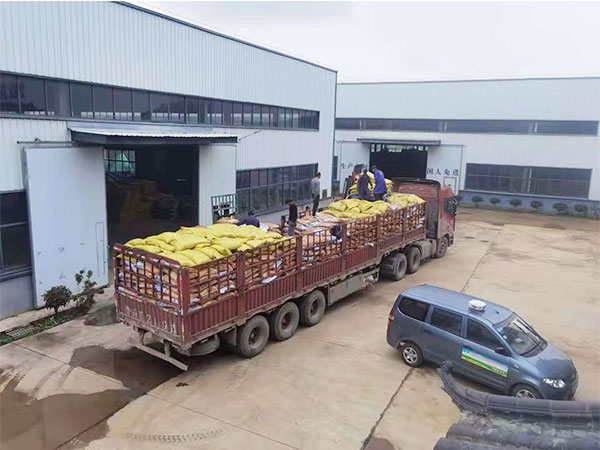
(411, 354)
(413, 258)
(253, 337)
(312, 308)
(442, 247)
(525, 391)
(284, 322)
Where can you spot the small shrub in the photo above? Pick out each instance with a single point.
(515, 202)
(56, 297)
(536, 204)
(596, 211)
(88, 289)
(581, 209)
(561, 208)
(477, 199)
(494, 201)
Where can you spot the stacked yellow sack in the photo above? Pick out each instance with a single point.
(354, 188)
(404, 200)
(196, 245)
(354, 208)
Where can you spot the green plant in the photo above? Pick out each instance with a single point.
(581, 209)
(515, 202)
(88, 289)
(477, 199)
(56, 297)
(561, 208)
(494, 201)
(536, 204)
(596, 211)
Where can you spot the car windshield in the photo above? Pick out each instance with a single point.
(519, 335)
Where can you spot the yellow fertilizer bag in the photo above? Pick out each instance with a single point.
(181, 259)
(167, 236)
(186, 242)
(224, 251)
(149, 248)
(196, 256)
(253, 243)
(210, 252)
(154, 240)
(135, 242)
(229, 243)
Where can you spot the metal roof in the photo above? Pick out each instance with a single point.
(458, 302)
(110, 136)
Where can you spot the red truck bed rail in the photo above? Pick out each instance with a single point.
(185, 305)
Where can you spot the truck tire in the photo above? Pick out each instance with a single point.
(253, 337)
(442, 247)
(284, 322)
(394, 266)
(312, 308)
(413, 259)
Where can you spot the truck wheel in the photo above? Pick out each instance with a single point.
(284, 322)
(411, 354)
(442, 247)
(413, 258)
(394, 266)
(253, 337)
(312, 308)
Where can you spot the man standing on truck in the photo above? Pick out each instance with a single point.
(363, 186)
(315, 190)
(293, 217)
(250, 220)
(380, 187)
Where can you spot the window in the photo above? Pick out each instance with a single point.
(216, 112)
(490, 126)
(479, 334)
(446, 321)
(556, 182)
(15, 252)
(119, 161)
(81, 101)
(103, 103)
(57, 96)
(141, 106)
(9, 94)
(519, 335)
(227, 111)
(123, 104)
(264, 117)
(32, 96)
(176, 108)
(347, 124)
(413, 308)
(203, 114)
(264, 189)
(585, 127)
(237, 114)
(191, 110)
(247, 114)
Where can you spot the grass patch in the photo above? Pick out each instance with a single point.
(37, 326)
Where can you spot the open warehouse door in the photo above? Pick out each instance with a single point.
(67, 211)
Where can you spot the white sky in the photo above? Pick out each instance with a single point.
(399, 41)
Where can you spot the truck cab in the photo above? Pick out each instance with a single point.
(441, 208)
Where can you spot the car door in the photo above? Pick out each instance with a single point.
(483, 356)
(442, 336)
(413, 313)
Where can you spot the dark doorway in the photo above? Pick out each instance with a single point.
(150, 190)
(399, 161)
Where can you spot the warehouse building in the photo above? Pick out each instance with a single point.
(508, 141)
(117, 122)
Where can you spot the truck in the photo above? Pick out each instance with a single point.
(251, 296)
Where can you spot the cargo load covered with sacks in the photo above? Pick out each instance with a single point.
(196, 288)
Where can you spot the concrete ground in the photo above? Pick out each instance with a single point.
(336, 385)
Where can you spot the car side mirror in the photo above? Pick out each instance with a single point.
(501, 351)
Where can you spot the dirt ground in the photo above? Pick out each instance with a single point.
(334, 386)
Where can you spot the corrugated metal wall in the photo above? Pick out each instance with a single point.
(550, 99)
(110, 43)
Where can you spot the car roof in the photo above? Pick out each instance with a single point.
(458, 302)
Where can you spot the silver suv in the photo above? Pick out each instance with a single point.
(484, 341)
